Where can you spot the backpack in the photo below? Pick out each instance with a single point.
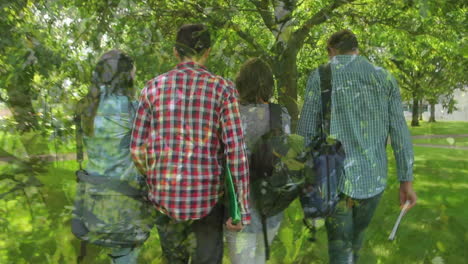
(324, 163)
(275, 169)
(108, 212)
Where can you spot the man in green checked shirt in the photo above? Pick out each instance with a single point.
(366, 109)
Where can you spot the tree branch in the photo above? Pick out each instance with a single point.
(406, 77)
(321, 16)
(263, 9)
(30, 208)
(250, 40)
(17, 187)
(241, 33)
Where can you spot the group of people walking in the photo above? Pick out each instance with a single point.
(188, 124)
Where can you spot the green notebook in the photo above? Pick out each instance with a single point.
(234, 211)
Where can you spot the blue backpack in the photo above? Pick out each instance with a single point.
(324, 163)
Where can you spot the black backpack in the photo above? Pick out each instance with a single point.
(324, 163)
(275, 169)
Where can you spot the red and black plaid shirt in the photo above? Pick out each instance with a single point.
(184, 120)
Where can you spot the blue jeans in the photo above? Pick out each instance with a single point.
(346, 228)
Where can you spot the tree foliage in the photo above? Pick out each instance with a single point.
(49, 48)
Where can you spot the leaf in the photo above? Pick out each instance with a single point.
(296, 142)
(440, 246)
(293, 164)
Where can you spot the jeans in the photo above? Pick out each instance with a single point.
(346, 228)
(200, 240)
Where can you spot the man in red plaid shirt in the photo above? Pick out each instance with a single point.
(187, 125)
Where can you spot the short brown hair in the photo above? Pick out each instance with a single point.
(192, 40)
(255, 81)
(343, 41)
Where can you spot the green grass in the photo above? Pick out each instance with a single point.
(450, 141)
(35, 228)
(435, 228)
(440, 128)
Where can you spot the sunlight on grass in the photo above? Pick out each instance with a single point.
(461, 142)
(439, 218)
(440, 128)
(435, 231)
(382, 250)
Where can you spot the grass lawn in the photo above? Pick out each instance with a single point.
(436, 230)
(440, 128)
(35, 228)
(458, 142)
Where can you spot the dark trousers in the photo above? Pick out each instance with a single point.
(346, 227)
(199, 240)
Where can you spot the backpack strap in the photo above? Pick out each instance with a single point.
(79, 159)
(119, 186)
(276, 126)
(265, 236)
(325, 75)
(79, 140)
(326, 92)
(276, 112)
(82, 255)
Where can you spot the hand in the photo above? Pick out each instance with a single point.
(407, 194)
(230, 226)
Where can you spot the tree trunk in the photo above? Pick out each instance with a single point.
(421, 110)
(31, 133)
(415, 119)
(286, 74)
(432, 117)
(20, 104)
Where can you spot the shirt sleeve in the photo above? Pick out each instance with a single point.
(309, 120)
(141, 126)
(234, 148)
(399, 134)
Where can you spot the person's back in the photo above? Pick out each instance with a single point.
(108, 148)
(187, 129)
(360, 120)
(256, 123)
(365, 110)
(255, 84)
(186, 116)
(110, 206)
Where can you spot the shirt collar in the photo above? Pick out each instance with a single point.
(344, 59)
(190, 64)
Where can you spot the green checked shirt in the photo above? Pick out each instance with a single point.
(366, 109)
